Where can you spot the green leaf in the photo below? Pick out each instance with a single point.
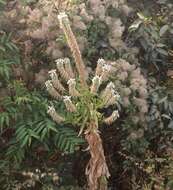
(163, 30)
(20, 136)
(33, 134)
(52, 128)
(43, 134)
(170, 125)
(166, 116)
(25, 141)
(162, 51)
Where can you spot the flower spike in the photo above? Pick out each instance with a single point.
(52, 90)
(60, 67)
(55, 81)
(69, 105)
(54, 115)
(95, 84)
(72, 88)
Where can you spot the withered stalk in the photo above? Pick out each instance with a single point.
(71, 40)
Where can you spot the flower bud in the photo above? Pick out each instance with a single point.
(60, 67)
(52, 90)
(54, 115)
(72, 88)
(55, 81)
(69, 105)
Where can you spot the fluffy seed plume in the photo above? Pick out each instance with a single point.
(55, 81)
(72, 88)
(68, 68)
(109, 120)
(60, 67)
(95, 84)
(52, 90)
(100, 63)
(54, 115)
(69, 105)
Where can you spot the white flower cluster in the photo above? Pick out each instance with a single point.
(56, 88)
(109, 95)
(103, 71)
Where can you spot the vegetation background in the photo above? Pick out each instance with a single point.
(35, 152)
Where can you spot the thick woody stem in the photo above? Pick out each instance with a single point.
(65, 25)
(97, 170)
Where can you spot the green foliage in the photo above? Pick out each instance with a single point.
(149, 34)
(67, 140)
(9, 56)
(37, 126)
(98, 43)
(2, 4)
(25, 125)
(24, 122)
(160, 116)
(87, 109)
(28, 2)
(20, 99)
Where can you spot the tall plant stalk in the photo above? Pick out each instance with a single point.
(96, 171)
(84, 102)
